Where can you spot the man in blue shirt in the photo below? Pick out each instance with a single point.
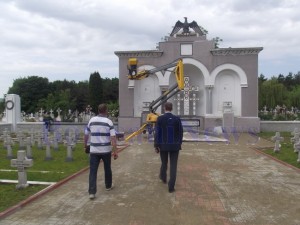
(167, 142)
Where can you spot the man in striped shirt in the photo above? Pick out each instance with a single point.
(100, 130)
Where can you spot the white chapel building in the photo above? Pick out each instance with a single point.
(221, 84)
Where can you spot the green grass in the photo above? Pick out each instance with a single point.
(286, 153)
(10, 196)
(54, 171)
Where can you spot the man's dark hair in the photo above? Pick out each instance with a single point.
(168, 106)
(102, 108)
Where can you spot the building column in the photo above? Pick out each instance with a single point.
(209, 99)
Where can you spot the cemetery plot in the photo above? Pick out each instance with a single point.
(289, 145)
(10, 196)
(44, 169)
(37, 167)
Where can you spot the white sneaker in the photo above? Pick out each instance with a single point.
(112, 186)
(92, 196)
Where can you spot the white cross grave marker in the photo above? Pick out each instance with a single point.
(48, 151)
(28, 148)
(9, 143)
(70, 146)
(51, 114)
(5, 135)
(296, 138)
(58, 118)
(277, 140)
(21, 163)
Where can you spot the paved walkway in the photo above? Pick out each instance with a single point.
(218, 183)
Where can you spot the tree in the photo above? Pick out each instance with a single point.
(95, 91)
(110, 90)
(272, 93)
(217, 41)
(82, 95)
(37, 92)
(289, 81)
(31, 90)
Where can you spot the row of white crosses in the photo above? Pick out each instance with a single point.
(24, 158)
(295, 139)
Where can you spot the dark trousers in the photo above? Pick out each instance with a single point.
(94, 164)
(173, 167)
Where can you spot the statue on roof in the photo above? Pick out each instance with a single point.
(185, 28)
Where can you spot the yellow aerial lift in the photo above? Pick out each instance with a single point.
(175, 67)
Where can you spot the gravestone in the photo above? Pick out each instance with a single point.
(57, 135)
(58, 118)
(265, 110)
(277, 140)
(9, 143)
(28, 148)
(48, 151)
(13, 110)
(41, 115)
(297, 150)
(39, 137)
(20, 136)
(21, 163)
(70, 145)
(296, 137)
(4, 136)
(32, 137)
(55, 143)
(51, 114)
(297, 146)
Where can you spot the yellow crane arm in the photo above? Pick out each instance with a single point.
(133, 74)
(139, 131)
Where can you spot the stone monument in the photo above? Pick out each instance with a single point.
(13, 110)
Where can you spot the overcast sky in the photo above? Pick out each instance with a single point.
(72, 39)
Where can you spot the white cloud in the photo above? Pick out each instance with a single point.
(71, 39)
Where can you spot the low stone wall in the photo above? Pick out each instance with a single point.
(281, 126)
(265, 126)
(4, 126)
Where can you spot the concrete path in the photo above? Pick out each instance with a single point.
(218, 183)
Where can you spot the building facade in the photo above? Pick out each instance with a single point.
(221, 84)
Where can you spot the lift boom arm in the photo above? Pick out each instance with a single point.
(174, 89)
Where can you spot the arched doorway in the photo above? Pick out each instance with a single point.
(227, 88)
(190, 101)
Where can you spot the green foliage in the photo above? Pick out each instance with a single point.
(31, 90)
(217, 41)
(279, 90)
(110, 90)
(2, 105)
(95, 91)
(37, 92)
(113, 109)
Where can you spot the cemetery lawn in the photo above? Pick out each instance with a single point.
(47, 171)
(286, 153)
(10, 196)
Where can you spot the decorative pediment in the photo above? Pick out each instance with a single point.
(136, 54)
(236, 51)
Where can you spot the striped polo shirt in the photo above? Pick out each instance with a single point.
(100, 130)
